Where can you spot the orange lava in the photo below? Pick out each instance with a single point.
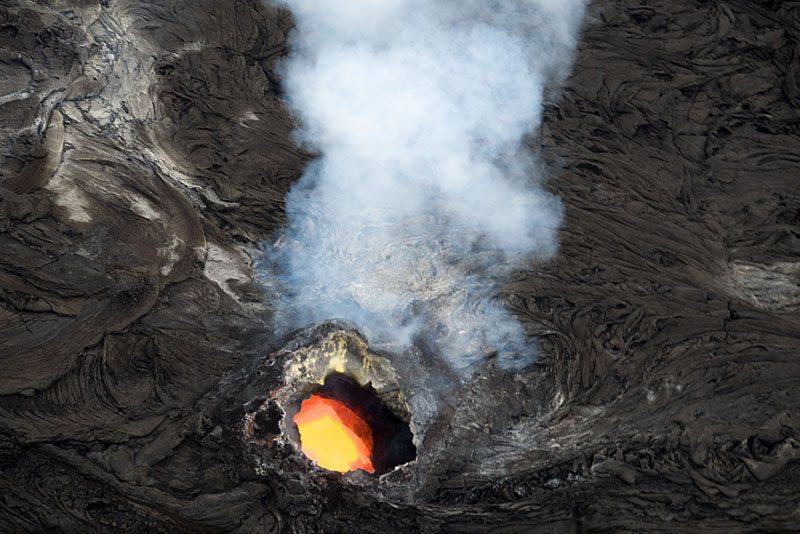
(333, 435)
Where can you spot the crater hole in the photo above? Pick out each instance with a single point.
(344, 426)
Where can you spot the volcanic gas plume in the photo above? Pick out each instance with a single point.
(424, 194)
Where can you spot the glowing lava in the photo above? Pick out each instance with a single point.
(334, 435)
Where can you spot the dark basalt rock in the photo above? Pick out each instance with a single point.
(144, 156)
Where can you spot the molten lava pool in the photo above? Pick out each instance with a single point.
(333, 435)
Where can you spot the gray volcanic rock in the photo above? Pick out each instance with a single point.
(144, 157)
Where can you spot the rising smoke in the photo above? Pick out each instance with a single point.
(423, 197)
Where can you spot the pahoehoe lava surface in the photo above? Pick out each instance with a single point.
(144, 157)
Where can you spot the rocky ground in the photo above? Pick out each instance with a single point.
(144, 157)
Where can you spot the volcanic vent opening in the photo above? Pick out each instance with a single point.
(344, 426)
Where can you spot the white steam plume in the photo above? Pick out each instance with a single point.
(423, 196)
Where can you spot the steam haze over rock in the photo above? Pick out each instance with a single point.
(424, 194)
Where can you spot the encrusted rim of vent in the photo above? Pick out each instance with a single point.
(304, 362)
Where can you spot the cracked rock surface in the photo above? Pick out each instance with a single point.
(144, 157)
